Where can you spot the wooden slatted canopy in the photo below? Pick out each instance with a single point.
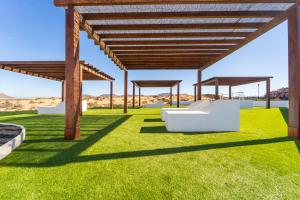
(234, 81)
(53, 70)
(171, 34)
(156, 83)
(176, 34)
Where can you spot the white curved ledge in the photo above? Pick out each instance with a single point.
(9, 146)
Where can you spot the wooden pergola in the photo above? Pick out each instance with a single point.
(156, 83)
(173, 34)
(57, 70)
(235, 81)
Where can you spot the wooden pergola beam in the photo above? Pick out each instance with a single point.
(173, 35)
(162, 67)
(181, 15)
(91, 33)
(174, 52)
(171, 47)
(164, 42)
(64, 3)
(177, 26)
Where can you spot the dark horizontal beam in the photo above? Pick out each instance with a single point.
(63, 3)
(174, 15)
(164, 56)
(119, 27)
(174, 35)
(161, 42)
(183, 52)
(172, 47)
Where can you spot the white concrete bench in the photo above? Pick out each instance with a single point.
(219, 116)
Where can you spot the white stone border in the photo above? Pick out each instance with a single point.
(8, 147)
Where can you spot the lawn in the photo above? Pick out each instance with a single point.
(133, 157)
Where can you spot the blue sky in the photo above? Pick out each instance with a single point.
(35, 30)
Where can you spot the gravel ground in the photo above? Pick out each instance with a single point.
(8, 132)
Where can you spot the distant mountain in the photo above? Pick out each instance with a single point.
(4, 96)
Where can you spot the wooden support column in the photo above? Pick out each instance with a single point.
(63, 85)
(294, 70)
(217, 90)
(230, 94)
(133, 95)
(111, 104)
(139, 97)
(72, 73)
(171, 96)
(125, 91)
(178, 95)
(80, 89)
(195, 92)
(268, 90)
(199, 85)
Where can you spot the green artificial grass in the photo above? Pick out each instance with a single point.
(133, 157)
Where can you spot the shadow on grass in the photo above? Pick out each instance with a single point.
(49, 149)
(11, 113)
(176, 150)
(153, 120)
(285, 114)
(163, 130)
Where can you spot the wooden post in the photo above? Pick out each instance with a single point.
(139, 97)
(217, 90)
(111, 104)
(72, 70)
(80, 89)
(171, 97)
(294, 69)
(268, 90)
(125, 91)
(133, 95)
(63, 91)
(195, 92)
(230, 94)
(178, 95)
(199, 85)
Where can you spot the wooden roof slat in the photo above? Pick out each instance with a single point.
(159, 42)
(173, 47)
(63, 3)
(184, 51)
(177, 26)
(180, 15)
(173, 35)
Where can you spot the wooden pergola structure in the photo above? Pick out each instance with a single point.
(57, 71)
(235, 81)
(156, 83)
(173, 34)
